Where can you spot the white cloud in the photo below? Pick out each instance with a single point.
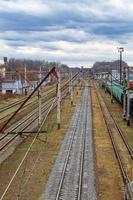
(71, 53)
(29, 6)
(99, 9)
(80, 34)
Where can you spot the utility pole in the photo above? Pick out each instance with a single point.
(111, 88)
(40, 99)
(124, 93)
(20, 84)
(105, 84)
(120, 50)
(25, 79)
(128, 100)
(58, 101)
(71, 82)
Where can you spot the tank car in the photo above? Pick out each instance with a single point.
(118, 92)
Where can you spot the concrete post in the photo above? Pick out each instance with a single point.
(128, 100)
(71, 90)
(124, 105)
(111, 89)
(105, 85)
(25, 79)
(58, 102)
(124, 94)
(70, 84)
(128, 108)
(20, 85)
(40, 100)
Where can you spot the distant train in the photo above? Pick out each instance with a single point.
(118, 92)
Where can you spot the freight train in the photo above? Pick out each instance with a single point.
(118, 92)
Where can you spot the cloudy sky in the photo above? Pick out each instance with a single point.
(75, 32)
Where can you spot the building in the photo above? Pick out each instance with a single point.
(2, 70)
(11, 86)
(116, 75)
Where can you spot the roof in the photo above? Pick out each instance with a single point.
(9, 81)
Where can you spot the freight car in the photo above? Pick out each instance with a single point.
(118, 93)
(116, 89)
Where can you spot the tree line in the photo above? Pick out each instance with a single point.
(17, 64)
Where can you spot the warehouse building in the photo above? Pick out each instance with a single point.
(11, 86)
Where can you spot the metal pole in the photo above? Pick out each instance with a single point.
(128, 108)
(71, 90)
(20, 84)
(124, 93)
(128, 101)
(58, 102)
(105, 84)
(70, 83)
(25, 101)
(111, 89)
(120, 66)
(124, 105)
(25, 78)
(40, 99)
(120, 50)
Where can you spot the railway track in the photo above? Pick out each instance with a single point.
(31, 104)
(28, 123)
(15, 131)
(16, 103)
(73, 175)
(8, 110)
(121, 147)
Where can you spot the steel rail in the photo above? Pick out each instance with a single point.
(17, 134)
(79, 197)
(120, 131)
(124, 174)
(122, 134)
(21, 130)
(25, 119)
(25, 101)
(64, 93)
(60, 186)
(30, 103)
(13, 104)
(66, 160)
(6, 107)
(31, 122)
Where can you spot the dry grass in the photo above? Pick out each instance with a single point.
(109, 182)
(43, 155)
(27, 108)
(116, 109)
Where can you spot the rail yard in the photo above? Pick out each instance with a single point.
(66, 141)
(66, 100)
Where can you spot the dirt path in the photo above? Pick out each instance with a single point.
(109, 182)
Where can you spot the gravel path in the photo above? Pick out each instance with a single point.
(72, 177)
